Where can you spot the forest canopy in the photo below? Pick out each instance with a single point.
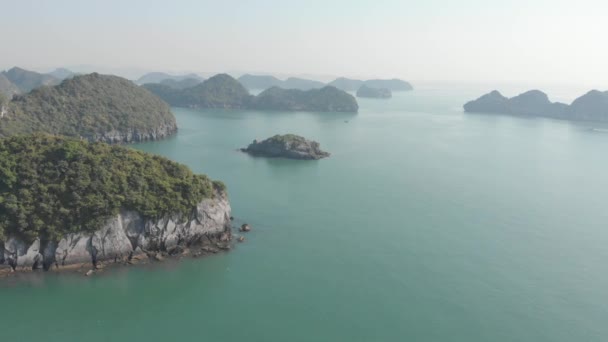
(50, 185)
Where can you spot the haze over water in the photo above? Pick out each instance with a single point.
(425, 224)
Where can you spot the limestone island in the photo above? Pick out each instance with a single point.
(93, 107)
(376, 93)
(326, 99)
(289, 146)
(223, 91)
(69, 204)
(592, 106)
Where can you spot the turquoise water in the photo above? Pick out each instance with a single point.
(426, 224)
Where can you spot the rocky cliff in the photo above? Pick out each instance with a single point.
(123, 237)
(130, 135)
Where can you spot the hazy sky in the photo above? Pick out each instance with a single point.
(474, 40)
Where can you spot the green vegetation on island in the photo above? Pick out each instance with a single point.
(288, 146)
(223, 91)
(326, 99)
(219, 91)
(95, 107)
(51, 186)
(27, 80)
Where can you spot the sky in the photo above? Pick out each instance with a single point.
(532, 41)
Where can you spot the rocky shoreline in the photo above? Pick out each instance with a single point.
(134, 135)
(288, 146)
(127, 238)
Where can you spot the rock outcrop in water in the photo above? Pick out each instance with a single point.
(288, 146)
(376, 93)
(124, 236)
(592, 106)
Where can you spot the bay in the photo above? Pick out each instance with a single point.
(425, 224)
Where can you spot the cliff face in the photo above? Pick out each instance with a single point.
(122, 237)
(131, 135)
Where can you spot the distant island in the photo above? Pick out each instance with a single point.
(182, 84)
(264, 82)
(353, 85)
(326, 99)
(158, 77)
(253, 82)
(392, 84)
(289, 146)
(20, 81)
(346, 84)
(223, 91)
(219, 91)
(377, 93)
(67, 202)
(592, 106)
(94, 107)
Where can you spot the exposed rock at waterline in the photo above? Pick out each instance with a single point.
(289, 146)
(123, 238)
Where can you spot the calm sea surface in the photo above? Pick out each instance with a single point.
(426, 224)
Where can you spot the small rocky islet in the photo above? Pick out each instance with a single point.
(288, 146)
